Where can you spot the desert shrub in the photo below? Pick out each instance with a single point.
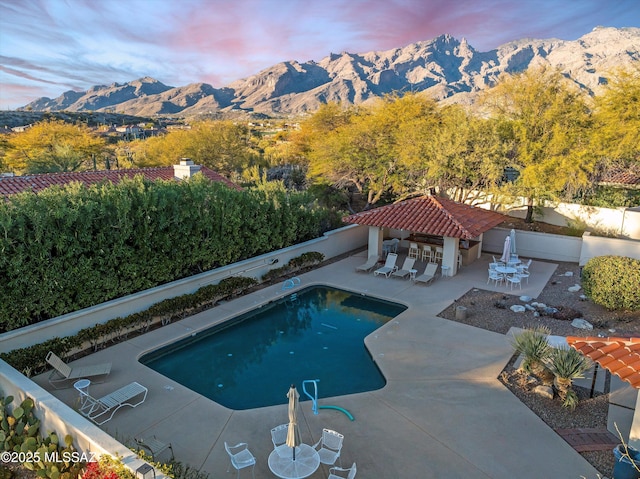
(532, 344)
(612, 282)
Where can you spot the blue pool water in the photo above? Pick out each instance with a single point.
(250, 361)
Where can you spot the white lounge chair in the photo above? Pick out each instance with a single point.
(370, 264)
(343, 473)
(405, 271)
(63, 373)
(428, 275)
(102, 410)
(389, 265)
(330, 446)
(153, 446)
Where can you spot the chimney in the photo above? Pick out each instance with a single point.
(186, 169)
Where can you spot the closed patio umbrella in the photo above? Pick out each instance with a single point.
(506, 252)
(293, 437)
(513, 241)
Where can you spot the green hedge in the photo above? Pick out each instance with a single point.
(69, 248)
(613, 282)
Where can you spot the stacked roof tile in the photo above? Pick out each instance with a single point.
(621, 356)
(431, 215)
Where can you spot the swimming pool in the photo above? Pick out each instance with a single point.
(250, 361)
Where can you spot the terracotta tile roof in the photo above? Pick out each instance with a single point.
(621, 356)
(431, 215)
(629, 177)
(10, 185)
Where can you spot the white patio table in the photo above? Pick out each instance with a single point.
(282, 464)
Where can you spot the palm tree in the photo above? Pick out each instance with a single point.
(532, 344)
(567, 364)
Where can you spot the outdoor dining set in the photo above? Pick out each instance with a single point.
(290, 458)
(510, 273)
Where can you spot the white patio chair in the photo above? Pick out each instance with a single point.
(63, 373)
(495, 277)
(370, 264)
(279, 435)
(438, 253)
(102, 410)
(389, 265)
(428, 275)
(330, 446)
(339, 472)
(524, 267)
(514, 279)
(427, 253)
(414, 251)
(240, 457)
(405, 271)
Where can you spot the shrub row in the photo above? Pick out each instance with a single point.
(613, 282)
(68, 248)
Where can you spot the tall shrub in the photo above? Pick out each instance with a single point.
(69, 248)
(613, 282)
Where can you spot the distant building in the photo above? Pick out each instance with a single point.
(10, 185)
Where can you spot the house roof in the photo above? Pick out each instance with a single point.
(10, 185)
(431, 215)
(625, 177)
(620, 356)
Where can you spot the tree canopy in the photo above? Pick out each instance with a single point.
(52, 146)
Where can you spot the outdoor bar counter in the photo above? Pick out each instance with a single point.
(468, 248)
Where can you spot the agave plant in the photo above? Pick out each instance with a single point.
(567, 364)
(532, 344)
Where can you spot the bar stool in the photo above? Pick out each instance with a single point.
(427, 253)
(438, 253)
(414, 252)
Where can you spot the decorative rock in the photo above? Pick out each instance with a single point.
(529, 307)
(544, 391)
(517, 308)
(575, 288)
(535, 304)
(583, 297)
(550, 311)
(525, 299)
(541, 306)
(581, 324)
(536, 314)
(569, 273)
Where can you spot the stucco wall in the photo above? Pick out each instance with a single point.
(535, 245)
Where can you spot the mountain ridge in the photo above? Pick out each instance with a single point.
(448, 69)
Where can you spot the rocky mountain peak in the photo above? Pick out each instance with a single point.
(443, 67)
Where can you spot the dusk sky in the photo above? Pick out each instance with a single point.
(50, 46)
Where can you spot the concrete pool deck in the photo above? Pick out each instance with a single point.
(442, 414)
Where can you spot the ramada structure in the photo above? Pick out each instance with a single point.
(431, 220)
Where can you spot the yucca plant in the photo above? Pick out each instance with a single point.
(532, 344)
(567, 364)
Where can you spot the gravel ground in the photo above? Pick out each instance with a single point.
(490, 310)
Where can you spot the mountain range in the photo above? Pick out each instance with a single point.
(448, 69)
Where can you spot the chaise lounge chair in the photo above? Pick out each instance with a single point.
(389, 265)
(429, 274)
(63, 373)
(369, 265)
(102, 410)
(405, 271)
